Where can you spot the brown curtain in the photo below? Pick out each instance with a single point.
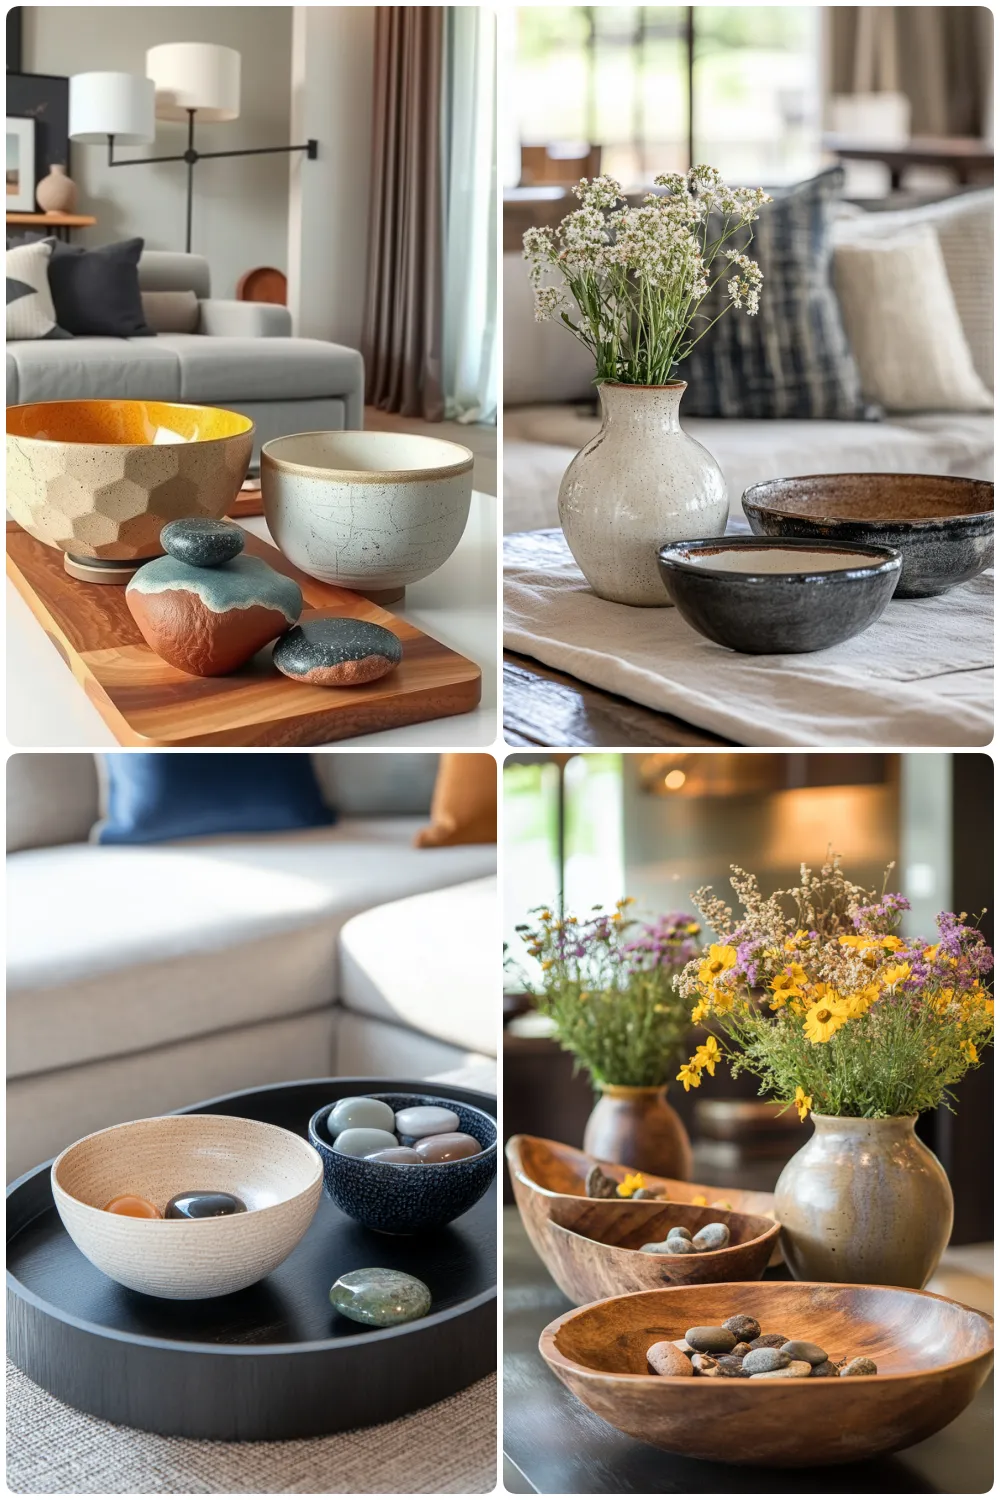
(939, 56)
(404, 305)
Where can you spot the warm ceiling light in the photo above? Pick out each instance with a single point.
(674, 780)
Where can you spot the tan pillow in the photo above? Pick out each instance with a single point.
(903, 325)
(171, 312)
(464, 807)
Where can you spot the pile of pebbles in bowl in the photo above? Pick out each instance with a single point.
(738, 1350)
(680, 1241)
(418, 1135)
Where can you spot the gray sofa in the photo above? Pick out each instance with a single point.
(242, 356)
(146, 977)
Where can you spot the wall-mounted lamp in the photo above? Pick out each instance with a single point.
(184, 81)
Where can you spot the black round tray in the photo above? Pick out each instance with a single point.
(276, 1360)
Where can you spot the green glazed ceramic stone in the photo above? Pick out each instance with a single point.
(380, 1298)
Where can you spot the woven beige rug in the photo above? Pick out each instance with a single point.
(450, 1448)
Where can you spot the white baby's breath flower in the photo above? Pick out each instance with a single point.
(746, 284)
(549, 302)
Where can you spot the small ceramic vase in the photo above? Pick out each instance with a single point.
(864, 1201)
(640, 483)
(56, 193)
(639, 1129)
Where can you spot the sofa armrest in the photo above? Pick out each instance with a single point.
(243, 320)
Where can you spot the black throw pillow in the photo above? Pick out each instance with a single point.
(97, 291)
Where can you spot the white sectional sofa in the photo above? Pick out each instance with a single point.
(143, 978)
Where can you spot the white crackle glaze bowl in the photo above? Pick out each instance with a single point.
(371, 511)
(278, 1175)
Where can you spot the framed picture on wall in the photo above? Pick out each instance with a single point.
(43, 98)
(20, 165)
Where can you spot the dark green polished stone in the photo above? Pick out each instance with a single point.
(337, 652)
(201, 542)
(380, 1298)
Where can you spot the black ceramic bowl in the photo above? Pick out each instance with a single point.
(400, 1199)
(942, 526)
(765, 596)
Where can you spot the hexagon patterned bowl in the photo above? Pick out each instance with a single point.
(100, 479)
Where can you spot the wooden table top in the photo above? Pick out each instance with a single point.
(554, 1445)
(56, 220)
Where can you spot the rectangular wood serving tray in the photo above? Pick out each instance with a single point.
(144, 701)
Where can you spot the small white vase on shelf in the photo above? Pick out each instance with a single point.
(56, 193)
(640, 483)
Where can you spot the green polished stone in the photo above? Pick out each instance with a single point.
(380, 1298)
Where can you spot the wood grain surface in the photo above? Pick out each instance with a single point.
(932, 1356)
(248, 502)
(548, 1180)
(595, 1246)
(146, 702)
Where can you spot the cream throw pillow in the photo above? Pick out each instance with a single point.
(30, 313)
(903, 325)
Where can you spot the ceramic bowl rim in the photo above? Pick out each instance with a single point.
(428, 1099)
(247, 432)
(156, 1225)
(770, 1233)
(554, 1356)
(885, 560)
(463, 465)
(965, 519)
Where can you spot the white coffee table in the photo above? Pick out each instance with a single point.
(47, 708)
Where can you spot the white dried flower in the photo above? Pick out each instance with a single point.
(745, 286)
(549, 302)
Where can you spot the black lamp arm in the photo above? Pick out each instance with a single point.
(190, 156)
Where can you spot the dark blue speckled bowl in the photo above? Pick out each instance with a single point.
(399, 1199)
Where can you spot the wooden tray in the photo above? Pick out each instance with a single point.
(249, 502)
(144, 701)
(274, 1361)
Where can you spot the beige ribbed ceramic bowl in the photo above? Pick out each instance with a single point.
(278, 1176)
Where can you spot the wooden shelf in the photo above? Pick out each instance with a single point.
(56, 221)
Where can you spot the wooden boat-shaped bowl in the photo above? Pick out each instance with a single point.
(932, 1356)
(549, 1183)
(595, 1247)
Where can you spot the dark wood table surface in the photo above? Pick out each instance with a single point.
(970, 158)
(553, 1445)
(544, 707)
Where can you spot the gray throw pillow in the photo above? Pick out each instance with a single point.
(97, 291)
(30, 313)
(171, 312)
(793, 358)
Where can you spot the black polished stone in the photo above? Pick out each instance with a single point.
(204, 1206)
(201, 542)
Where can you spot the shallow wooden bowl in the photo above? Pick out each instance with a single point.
(277, 1175)
(932, 1355)
(595, 1247)
(546, 1174)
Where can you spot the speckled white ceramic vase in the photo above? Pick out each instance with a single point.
(864, 1201)
(641, 482)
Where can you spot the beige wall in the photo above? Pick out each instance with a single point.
(240, 206)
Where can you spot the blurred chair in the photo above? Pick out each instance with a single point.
(559, 163)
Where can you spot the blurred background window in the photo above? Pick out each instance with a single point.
(636, 90)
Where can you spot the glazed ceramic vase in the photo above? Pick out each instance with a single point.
(640, 483)
(864, 1201)
(56, 193)
(637, 1128)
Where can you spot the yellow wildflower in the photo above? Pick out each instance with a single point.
(822, 1020)
(856, 1005)
(716, 961)
(792, 943)
(707, 1055)
(931, 953)
(970, 1051)
(689, 1075)
(700, 1011)
(802, 1101)
(894, 974)
(547, 963)
(545, 915)
(693, 928)
(633, 1182)
(700, 1201)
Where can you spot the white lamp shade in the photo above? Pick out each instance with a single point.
(195, 75)
(118, 104)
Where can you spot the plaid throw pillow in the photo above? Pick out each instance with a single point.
(793, 358)
(30, 313)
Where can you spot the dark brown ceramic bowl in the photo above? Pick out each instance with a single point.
(942, 526)
(932, 1356)
(595, 1246)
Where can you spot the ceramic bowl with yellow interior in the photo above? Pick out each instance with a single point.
(370, 511)
(100, 479)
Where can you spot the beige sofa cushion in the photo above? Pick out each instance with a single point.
(51, 799)
(438, 972)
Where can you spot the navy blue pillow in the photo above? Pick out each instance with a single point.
(150, 797)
